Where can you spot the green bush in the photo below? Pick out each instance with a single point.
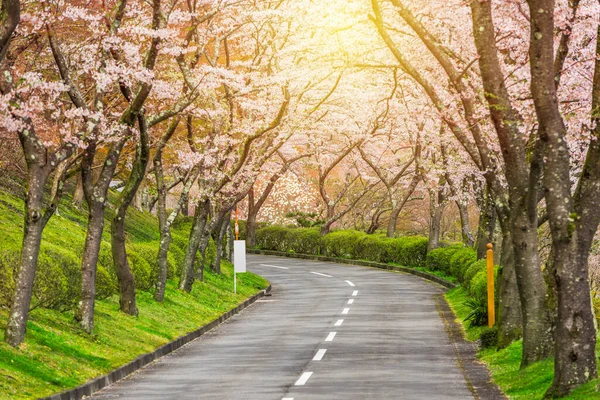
(460, 261)
(106, 283)
(9, 262)
(489, 337)
(474, 268)
(304, 240)
(272, 238)
(57, 283)
(439, 259)
(341, 243)
(410, 251)
(370, 247)
(149, 252)
(142, 271)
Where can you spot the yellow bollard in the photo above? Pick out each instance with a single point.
(490, 285)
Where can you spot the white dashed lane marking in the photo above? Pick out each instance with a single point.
(339, 322)
(330, 336)
(319, 355)
(350, 283)
(320, 274)
(303, 379)
(350, 301)
(355, 293)
(345, 311)
(273, 266)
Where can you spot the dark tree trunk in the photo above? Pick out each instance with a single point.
(230, 239)
(436, 210)
(126, 279)
(187, 274)
(251, 226)
(32, 237)
(509, 311)
(393, 221)
(537, 331)
(78, 192)
(89, 260)
(487, 225)
(467, 236)
(221, 230)
(119, 252)
(573, 218)
(163, 251)
(95, 194)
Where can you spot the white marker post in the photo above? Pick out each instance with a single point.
(239, 260)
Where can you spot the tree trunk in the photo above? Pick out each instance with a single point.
(89, 261)
(436, 209)
(537, 331)
(487, 226)
(391, 228)
(163, 250)
(251, 226)
(32, 237)
(221, 231)
(136, 177)
(127, 302)
(78, 193)
(230, 239)
(467, 236)
(187, 274)
(509, 310)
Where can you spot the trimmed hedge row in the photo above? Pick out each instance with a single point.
(58, 276)
(457, 261)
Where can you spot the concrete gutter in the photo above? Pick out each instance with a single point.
(424, 275)
(90, 387)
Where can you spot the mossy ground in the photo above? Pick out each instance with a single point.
(528, 384)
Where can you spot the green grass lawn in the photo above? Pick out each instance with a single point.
(528, 384)
(57, 355)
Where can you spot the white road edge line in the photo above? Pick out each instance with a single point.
(350, 301)
(318, 273)
(330, 336)
(303, 378)
(355, 293)
(273, 266)
(350, 283)
(345, 311)
(319, 355)
(339, 322)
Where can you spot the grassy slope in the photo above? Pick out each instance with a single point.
(528, 384)
(57, 355)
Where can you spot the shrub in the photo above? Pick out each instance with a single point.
(439, 259)
(341, 243)
(304, 240)
(106, 283)
(57, 282)
(474, 268)
(370, 247)
(149, 252)
(460, 261)
(9, 262)
(408, 250)
(272, 238)
(142, 271)
(489, 337)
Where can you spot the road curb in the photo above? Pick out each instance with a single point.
(476, 373)
(424, 275)
(90, 387)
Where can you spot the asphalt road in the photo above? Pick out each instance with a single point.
(348, 332)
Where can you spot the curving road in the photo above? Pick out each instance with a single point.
(329, 331)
